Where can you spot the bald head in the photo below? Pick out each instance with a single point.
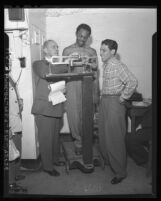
(50, 48)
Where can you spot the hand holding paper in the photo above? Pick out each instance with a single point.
(56, 95)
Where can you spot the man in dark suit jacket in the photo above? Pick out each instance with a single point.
(48, 117)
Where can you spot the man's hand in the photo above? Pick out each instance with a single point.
(125, 102)
(122, 101)
(93, 62)
(63, 90)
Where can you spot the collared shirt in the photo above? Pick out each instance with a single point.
(15, 123)
(48, 59)
(117, 79)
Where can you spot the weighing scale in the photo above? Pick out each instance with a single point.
(85, 162)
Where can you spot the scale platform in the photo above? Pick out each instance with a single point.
(73, 161)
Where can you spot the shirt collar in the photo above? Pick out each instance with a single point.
(109, 62)
(47, 59)
(111, 59)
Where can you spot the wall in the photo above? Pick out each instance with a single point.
(131, 28)
(19, 46)
(24, 43)
(37, 30)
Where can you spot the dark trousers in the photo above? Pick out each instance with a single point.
(49, 142)
(137, 145)
(14, 166)
(112, 130)
(74, 110)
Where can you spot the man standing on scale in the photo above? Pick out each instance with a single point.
(74, 88)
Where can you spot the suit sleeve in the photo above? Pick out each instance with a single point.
(65, 52)
(41, 70)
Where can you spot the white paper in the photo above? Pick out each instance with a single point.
(56, 95)
(57, 86)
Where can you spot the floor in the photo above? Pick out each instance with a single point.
(77, 183)
(96, 183)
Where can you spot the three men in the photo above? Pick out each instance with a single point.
(118, 84)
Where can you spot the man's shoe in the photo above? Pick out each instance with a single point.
(85, 168)
(116, 180)
(19, 177)
(52, 172)
(60, 163)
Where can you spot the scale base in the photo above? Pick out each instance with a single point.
(73, 161)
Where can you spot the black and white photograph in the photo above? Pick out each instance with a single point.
(79, 95)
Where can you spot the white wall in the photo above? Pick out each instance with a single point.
(25, 47)
(37, 24)
(131, 28)
(25, 90)
(19, 46)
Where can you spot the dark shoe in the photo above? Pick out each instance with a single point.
(116, 180)
(60, 163)
(19, 177)
(53, 172)
(14, 188)
(96, 162)
(84, 168)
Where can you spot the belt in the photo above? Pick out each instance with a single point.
(104, 95)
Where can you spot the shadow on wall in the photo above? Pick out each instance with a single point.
(118, 56)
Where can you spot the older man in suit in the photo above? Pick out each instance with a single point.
(47, 117)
